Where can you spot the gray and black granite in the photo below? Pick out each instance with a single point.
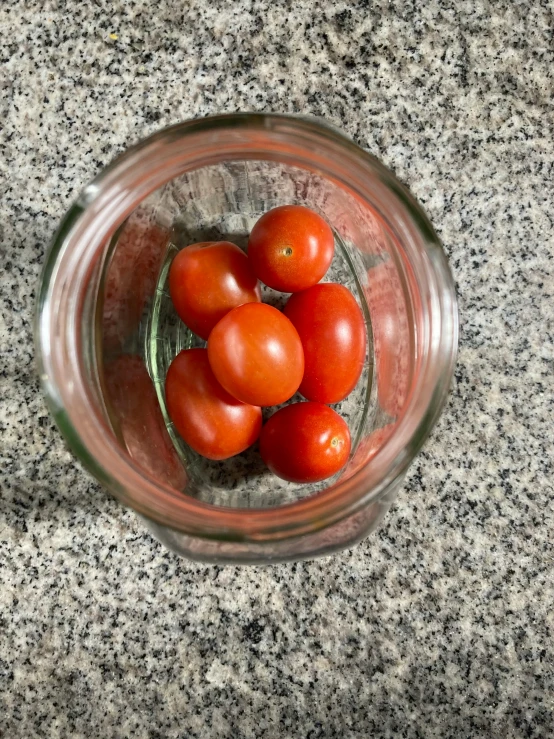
(442, 623)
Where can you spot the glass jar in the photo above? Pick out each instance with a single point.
(106, 331)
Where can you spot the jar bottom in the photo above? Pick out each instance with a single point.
(219, 204)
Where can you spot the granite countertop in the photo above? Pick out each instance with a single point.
(441, 624)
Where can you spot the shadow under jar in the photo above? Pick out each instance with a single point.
(107, 331)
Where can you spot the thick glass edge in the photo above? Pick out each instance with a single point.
(41, 331)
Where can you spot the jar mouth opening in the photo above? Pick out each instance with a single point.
(103, 206)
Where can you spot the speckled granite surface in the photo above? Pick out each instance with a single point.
(442, 623)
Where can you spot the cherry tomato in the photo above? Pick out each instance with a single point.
(210, 421)
(291, 248)
(305, 442)
(332, 330)
(136, 411)
(256, 354)
(209, 279)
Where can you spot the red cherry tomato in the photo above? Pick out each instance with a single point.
(208, 280)
(291, 248)
(210, 421)
(332, 330)
(305, 442)
(256, 354)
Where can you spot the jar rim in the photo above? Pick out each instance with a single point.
(103, 206)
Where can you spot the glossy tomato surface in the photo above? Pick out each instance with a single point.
(212, 422)
(291, 248)
(256, 354)
(333, 334)
(209, 279)
(305, 442)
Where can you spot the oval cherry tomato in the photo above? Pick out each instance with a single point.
(210, 421)
(332, 330)
(291, 248)
(209, 279)
(256, 354)
(305, 442)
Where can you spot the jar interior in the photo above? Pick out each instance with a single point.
(138, 332)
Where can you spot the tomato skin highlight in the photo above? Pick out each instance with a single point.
(256, 354)
(207, 280)
(305, 442)
(213, 423)
(290, 248)
(333, 334)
